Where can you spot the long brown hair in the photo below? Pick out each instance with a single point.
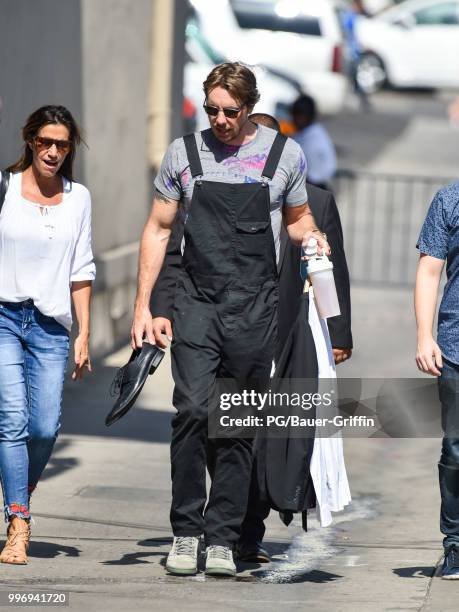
(47, 115)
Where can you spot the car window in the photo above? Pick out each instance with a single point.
(445, 13)
(269, 15)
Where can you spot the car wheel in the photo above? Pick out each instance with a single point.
(370, 75)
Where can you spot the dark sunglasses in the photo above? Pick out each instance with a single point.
(63, 146)
(230, 113)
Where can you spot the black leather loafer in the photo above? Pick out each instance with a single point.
(252, 552)
(130, 379)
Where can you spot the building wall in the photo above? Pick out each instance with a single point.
(40, 63)
(115, 82)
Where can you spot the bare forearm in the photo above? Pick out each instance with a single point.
(425, 301)
(299, 222)
(152, 251)
(81, 296)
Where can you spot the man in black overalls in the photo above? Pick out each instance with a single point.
(224, 320)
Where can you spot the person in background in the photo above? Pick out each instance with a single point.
(439, 241)
(45, 260)
(349, 16)
(315, 142)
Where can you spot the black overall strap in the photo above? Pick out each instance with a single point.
(274, 156)
(4, 183)
(193, 155)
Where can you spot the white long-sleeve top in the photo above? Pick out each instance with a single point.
(43, 249)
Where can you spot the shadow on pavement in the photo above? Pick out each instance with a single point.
(313, 576)
(48, 550)
(86, 403)
(415, 572)
(133, 558)
(141, 556)
(57, 465)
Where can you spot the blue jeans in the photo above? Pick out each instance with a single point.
(448, 468)
(33, 358)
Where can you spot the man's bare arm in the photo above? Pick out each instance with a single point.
(428, 353)
(301, 226)
(153, 246)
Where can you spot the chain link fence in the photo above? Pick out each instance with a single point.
(382, 215)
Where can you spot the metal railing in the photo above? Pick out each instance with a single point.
(382, 215)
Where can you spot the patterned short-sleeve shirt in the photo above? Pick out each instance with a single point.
(439, 238)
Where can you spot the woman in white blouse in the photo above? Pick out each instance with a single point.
(45, 260)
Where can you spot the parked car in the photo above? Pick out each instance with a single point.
(277, 91)
(413, 44)
(301, 38)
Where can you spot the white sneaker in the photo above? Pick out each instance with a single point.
(183, 557)
(219, 561)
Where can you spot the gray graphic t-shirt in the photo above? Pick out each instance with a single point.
(236, 164)
(439, 238)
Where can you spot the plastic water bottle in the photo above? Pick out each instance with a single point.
(320, 270)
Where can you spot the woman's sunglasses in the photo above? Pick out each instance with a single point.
(41, 143)
(230, 113)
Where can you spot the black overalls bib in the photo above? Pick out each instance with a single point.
(224, 325)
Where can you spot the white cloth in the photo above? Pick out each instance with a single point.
(43, 249)
(327, 468)
(319, 151)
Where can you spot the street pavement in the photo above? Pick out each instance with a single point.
(101, 528)
(404, 133)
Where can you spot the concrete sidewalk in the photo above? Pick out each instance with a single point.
(101, 513)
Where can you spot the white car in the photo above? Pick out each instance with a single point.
(413, 44)
(277, 93)
(301, 38)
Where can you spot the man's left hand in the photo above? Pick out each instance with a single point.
(341, 354)
(323, 248)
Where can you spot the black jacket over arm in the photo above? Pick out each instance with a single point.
(325, 211)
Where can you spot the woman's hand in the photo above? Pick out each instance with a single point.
(82, 360)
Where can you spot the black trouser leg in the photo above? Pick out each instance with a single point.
(448, 467)
(229, 491)
(194, 373)
(236, 340)
(251, 322)
(253, 527)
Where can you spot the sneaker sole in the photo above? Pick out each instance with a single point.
(450, 577)
(182, 572)
(219, 571)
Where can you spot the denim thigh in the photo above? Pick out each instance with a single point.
(13, 388)
(47, 349)
(33, 359)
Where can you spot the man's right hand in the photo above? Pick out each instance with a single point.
(428, 356)
(161, 326)
(142, 326)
